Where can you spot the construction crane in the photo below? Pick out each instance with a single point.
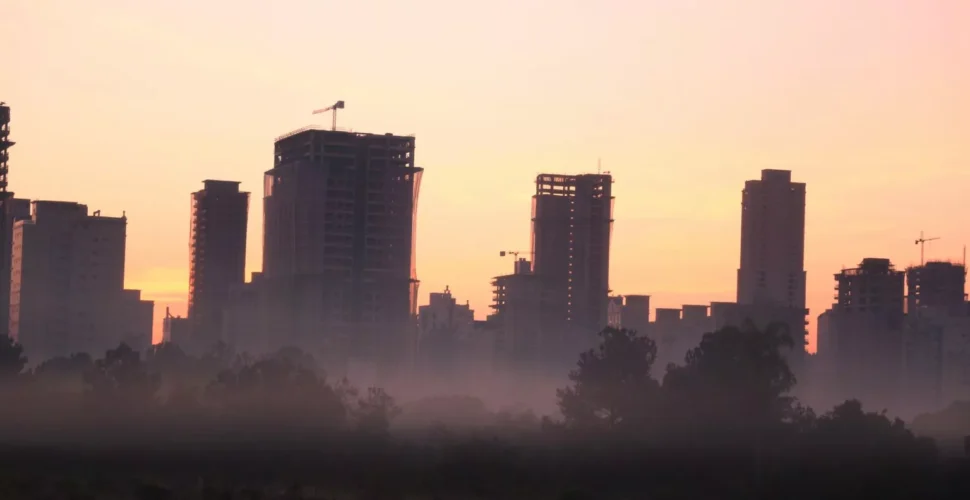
(334, 108)
(514, 253)
(922, 243)
(518, 264)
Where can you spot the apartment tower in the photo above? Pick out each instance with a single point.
(772, 268)
(572, 221)
(339, 238)
(67, 293)
(217, 255)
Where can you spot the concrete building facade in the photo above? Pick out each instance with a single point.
(446, 336)
(528, 327)
(936, 284)
(772, 270)
(572, 223)
(866, 333)
(67, 292)
(339, 273)
(11, 210)
(217, 255)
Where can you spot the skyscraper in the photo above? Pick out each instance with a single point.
(339, 235)
(772, 268)
(11, 210)
(217, 261)
(572, 222)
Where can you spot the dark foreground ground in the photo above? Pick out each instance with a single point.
(479, 470)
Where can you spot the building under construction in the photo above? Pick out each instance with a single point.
(936, 284)
(217, 256)
(572, 222)
(11, 210)
(338, 243)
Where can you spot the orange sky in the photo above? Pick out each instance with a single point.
(129, 105)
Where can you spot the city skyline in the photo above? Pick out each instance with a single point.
(881, 161)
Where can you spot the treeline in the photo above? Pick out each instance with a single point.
(168, 398)
(722, 424)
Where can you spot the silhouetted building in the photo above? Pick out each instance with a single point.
(67, 292)
(445, 328)
(11, 210)
(676, 331)
(529, 329)
(866, 332)
(175, 329)
(572, 221)
(338, 244)
(772, 271)
(935, 284)
(614, 312)
(217, 259)
(631, 312)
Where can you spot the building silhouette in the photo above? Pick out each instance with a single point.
(572, 222)
(176, 329)
(338, 245)
(772, 268)
(631, 312)
(67, 293)
(11, 210)
(217, 255)
(936, 284)
(936, 334)
(444, 327)
(526, 321)
(864, 332)
(771, 277)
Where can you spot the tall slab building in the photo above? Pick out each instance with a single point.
(572, 222)
(339, 243)
(772, 268)
(67, 293)
(217, 262)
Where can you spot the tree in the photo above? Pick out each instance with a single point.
(64, 373)
(12, 359)
(611, 384)
(375, 411)
(277, 387)
(736, 381)
(120, 380)
(851, 429)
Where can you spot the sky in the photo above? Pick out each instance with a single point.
(127, 105)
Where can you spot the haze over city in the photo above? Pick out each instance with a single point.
(127, 106)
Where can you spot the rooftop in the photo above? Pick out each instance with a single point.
(324, 128)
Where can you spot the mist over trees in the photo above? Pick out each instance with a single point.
(723, 423)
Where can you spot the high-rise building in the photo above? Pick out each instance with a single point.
(936, 284)
(217, 260)
(11, 210)
(865, 332)
(67, 293)
(339, 240)
(572, 222)
(772, 268)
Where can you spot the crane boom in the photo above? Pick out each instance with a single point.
(922, 243)
(337, 105)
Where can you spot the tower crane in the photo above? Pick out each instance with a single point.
(515, 253)
(333, 108)
(922, 243)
